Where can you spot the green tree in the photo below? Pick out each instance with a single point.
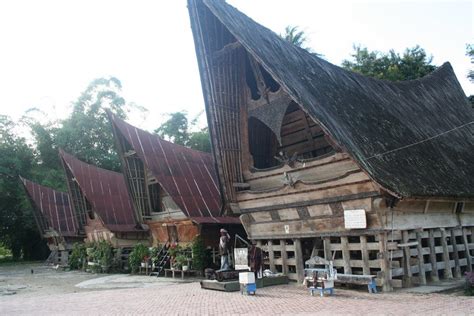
(470, 74)
(177, 130)
(470, 54)
(17, 228)
(293, 35)
(200, 140)
(412, 64)
(86, 133)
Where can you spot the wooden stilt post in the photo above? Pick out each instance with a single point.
(299, 260)
(271, 256)
(448, 273)
(284, 257)
(384, 263)
(346, 256)
(434, 275)
(407, 275)
(259, 245)
(457, 266)
(421, 261)
(327, 248)
(466, 251)
(365, 255)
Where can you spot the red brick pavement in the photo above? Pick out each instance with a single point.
(189, 299)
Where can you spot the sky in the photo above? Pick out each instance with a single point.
(51, 49)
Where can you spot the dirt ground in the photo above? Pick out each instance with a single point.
(54, 292)
(44, 280)
(36, 279)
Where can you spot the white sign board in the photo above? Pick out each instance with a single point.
(241, 258)
(355, 219)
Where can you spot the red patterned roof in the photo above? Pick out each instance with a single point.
(187, 175)
(52, 206)
(106, 191)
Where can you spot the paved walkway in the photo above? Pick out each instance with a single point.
(189, 299)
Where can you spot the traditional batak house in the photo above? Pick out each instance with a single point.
(174, 188)
(101, 203)
(322, 161)
(55, 220)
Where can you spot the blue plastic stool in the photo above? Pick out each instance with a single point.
(372, 286)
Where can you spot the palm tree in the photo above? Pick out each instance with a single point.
(298, 38)
(294, 36)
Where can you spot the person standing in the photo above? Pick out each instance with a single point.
(224, 251)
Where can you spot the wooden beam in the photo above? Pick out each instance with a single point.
(299, 260)
(365, 255)
(327, 248)
(271, 256)
(346, 256)
(384, 264)
(407, 274)
(466, 247)
(448, 273)
(457, 266)
(434, 275)
(284, 257)
(421, 261)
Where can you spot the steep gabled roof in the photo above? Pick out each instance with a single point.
(53, 207)
(106, 192)
(187, 175)
(414, 138)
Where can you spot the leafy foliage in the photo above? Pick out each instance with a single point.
(136, 257)
(86, 133)
(78, 256)
(177, 130)
(298, 38)
(294, 36)
(413, 64)
(17, 228)
(200, 258)
(470, 54)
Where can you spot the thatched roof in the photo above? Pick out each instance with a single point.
(414, 138)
